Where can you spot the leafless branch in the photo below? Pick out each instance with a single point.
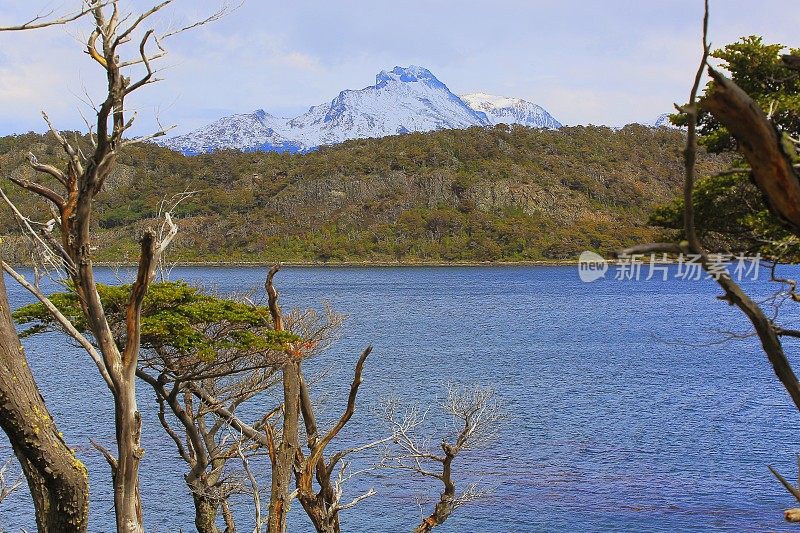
(259, 521)
(112, 462)
(794, 491)
(224, 11)
(40, 21)
(48, 256)
(7, 486)
(477, 414)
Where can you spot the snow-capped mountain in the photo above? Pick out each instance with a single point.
(504, 110)
(402, 100)
(250, 133)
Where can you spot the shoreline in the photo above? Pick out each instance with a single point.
(354, 264)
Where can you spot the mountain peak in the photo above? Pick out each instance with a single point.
(403, 100)
(409, 74)
(505, 110)
(489, 101)
(663, 121)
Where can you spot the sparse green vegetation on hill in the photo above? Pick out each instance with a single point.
(481, 194)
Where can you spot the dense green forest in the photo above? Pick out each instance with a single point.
(481, 194)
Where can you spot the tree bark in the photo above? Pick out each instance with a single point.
(127, 499)
(227, 515)
(57, 479)
(205, 514)
(287, 449)
(444, 507)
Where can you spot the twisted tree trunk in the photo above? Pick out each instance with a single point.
(57, 479)
(444, 507)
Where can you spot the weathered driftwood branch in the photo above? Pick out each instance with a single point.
(760, 144)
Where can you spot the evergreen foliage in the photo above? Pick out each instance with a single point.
(175, 317)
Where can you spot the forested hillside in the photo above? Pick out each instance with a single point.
(481, 194)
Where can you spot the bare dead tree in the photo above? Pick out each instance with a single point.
(285, 451)
(199, 433)
(767, 152)
(477, 415)
(323, 503)
(82, 179)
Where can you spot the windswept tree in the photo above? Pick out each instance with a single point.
(190, 341)
(121, 45)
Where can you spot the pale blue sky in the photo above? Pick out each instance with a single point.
(600, 62)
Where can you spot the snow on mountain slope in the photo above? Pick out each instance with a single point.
(504, 110)
(402, 100)
(249, 133)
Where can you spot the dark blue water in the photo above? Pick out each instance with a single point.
(624, 415)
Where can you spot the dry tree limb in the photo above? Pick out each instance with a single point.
(477, 414)
(110, 459)
(794, 491)
(40, 21)
(760, 143)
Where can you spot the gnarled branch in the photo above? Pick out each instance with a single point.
(760, 144)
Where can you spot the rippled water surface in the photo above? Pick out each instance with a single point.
(625, 415)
